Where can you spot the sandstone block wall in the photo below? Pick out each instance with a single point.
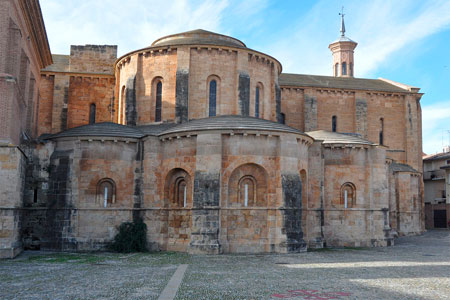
(92, 59)
(85, 91)
(311, 108)
(185, 73)
(366, 222)
(12, 177)
(19, 75)
(69, 87)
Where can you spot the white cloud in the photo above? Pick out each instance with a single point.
(390, 26)
(435, 126)
(381, 28)
(130, 25)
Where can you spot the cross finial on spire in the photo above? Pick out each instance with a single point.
(342, 22)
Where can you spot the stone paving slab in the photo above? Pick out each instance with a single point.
(415, 268)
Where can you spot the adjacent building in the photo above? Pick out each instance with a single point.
(214, 148)
(436, 177)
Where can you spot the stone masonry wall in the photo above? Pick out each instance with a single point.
(92, 59)
(363, 224)
(84, 91)
(12, 176)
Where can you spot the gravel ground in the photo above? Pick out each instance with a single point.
(415, 268)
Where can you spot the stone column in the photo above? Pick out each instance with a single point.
(291, 205)
(361, 117)
(310, 112)
(182, 85)
(206, 200)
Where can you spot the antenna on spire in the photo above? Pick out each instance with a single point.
(342, 22)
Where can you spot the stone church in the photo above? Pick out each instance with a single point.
(207, 141)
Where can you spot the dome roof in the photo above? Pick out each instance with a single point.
(231, 122)
(329, 137)
(106, 129)
(200, 37)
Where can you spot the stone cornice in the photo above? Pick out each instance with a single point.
(31, 11)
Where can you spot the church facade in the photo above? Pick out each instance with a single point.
(213, 147)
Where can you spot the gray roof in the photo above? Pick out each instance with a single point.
(329, 137)
(198, 37)
(109, 129)
(397, 167)
(344, 39)
(155, 129)
(106, 129)
(437, 156)
(231, 122)
(349, 83)
(60, 63)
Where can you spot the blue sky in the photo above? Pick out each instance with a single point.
(404, 40)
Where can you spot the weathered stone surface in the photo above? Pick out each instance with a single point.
(244, 94)
(206, 189)
(182, 96)
(130, 109)
(292, 212)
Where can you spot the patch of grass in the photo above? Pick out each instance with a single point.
(354, 248)
(162, 258)
(67, 258)
(325, 249)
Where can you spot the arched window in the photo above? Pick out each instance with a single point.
(344, 68)
(106, 192)
(180, 192)
(176, 189)
(247, 186)
(247, 191)
(348, 195)
(158, 103)
(351, 69)
(257, 102)
(212, 97)
(381, 131)
(336, 69)
(92, 114)
(122, 106)
(334, 123)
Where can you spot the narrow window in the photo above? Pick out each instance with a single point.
(184, 195)
(246, 195)
(257, 102)
(106, 192)
(158, 102)
(106, 196)
(122, 106)
(346, 198)
(334, 123)
(351, 69)
(381, 131)
(92, 114)
(247, 188)
(344, 68)
(212, 97)
(348, 195)
(181, 193)
(282, 118)
(336, 70)
(35, 196)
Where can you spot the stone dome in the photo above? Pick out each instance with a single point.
(200, 37)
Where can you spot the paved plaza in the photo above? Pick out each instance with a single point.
(415, 268)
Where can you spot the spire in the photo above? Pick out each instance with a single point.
(342, 50)
(342, 22)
